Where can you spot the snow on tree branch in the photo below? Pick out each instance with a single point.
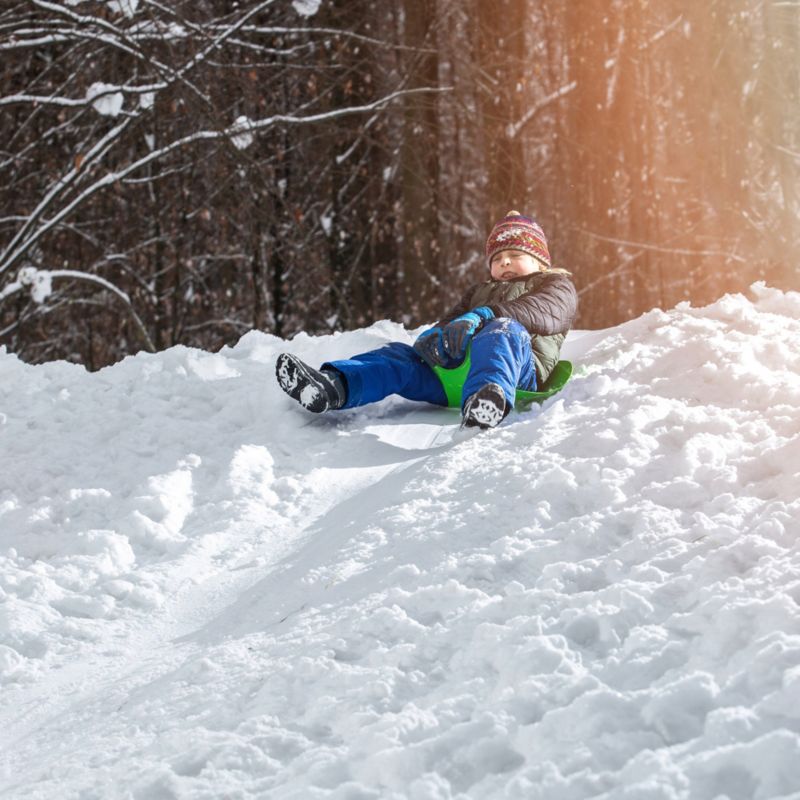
(237, 133)
(39, 282)
(610, 65)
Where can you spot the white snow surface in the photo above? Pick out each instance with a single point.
(207, 592)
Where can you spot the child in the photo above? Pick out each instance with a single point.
(516, 323)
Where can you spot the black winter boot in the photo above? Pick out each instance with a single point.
(486, 408)
(315, 390)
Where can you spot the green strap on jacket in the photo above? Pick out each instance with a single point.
(453, 382)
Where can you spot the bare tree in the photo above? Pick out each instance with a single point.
(164, 152)
(184, 173)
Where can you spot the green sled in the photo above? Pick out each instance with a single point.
(453, 381)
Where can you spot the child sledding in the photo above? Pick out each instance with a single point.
(513, 326)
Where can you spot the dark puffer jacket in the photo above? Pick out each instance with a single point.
(545, 303)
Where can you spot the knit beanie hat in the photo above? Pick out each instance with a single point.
(518, 232)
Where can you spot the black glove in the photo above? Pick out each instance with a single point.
(456, 334)
(429, 347)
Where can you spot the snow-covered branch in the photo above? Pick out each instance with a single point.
(10, 256)
(9, 289)
(21, 243)
(514, 128)
(43, 100)
(40, 284)
(610, 65)
(683, 251)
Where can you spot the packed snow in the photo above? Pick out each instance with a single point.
(207, 592)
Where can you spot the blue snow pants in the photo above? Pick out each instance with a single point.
(501, 353)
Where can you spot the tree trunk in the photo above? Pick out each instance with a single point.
(419, 169)
(503, 74)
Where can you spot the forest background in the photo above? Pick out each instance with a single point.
(185, 172)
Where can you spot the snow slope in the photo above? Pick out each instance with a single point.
(206, 592)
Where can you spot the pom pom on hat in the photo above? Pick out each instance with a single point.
(518, 232)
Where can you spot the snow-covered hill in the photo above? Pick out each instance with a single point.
(206, 592)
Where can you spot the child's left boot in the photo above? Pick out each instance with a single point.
(486, 408)
(316, 390)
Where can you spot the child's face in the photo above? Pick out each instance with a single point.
(509, 264)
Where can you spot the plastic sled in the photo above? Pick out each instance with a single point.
(453, 381)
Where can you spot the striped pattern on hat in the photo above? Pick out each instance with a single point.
(518, 232)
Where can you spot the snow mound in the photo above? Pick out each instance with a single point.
(206, 591)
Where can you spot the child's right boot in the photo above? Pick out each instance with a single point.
(315, 390)
(486, 408)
